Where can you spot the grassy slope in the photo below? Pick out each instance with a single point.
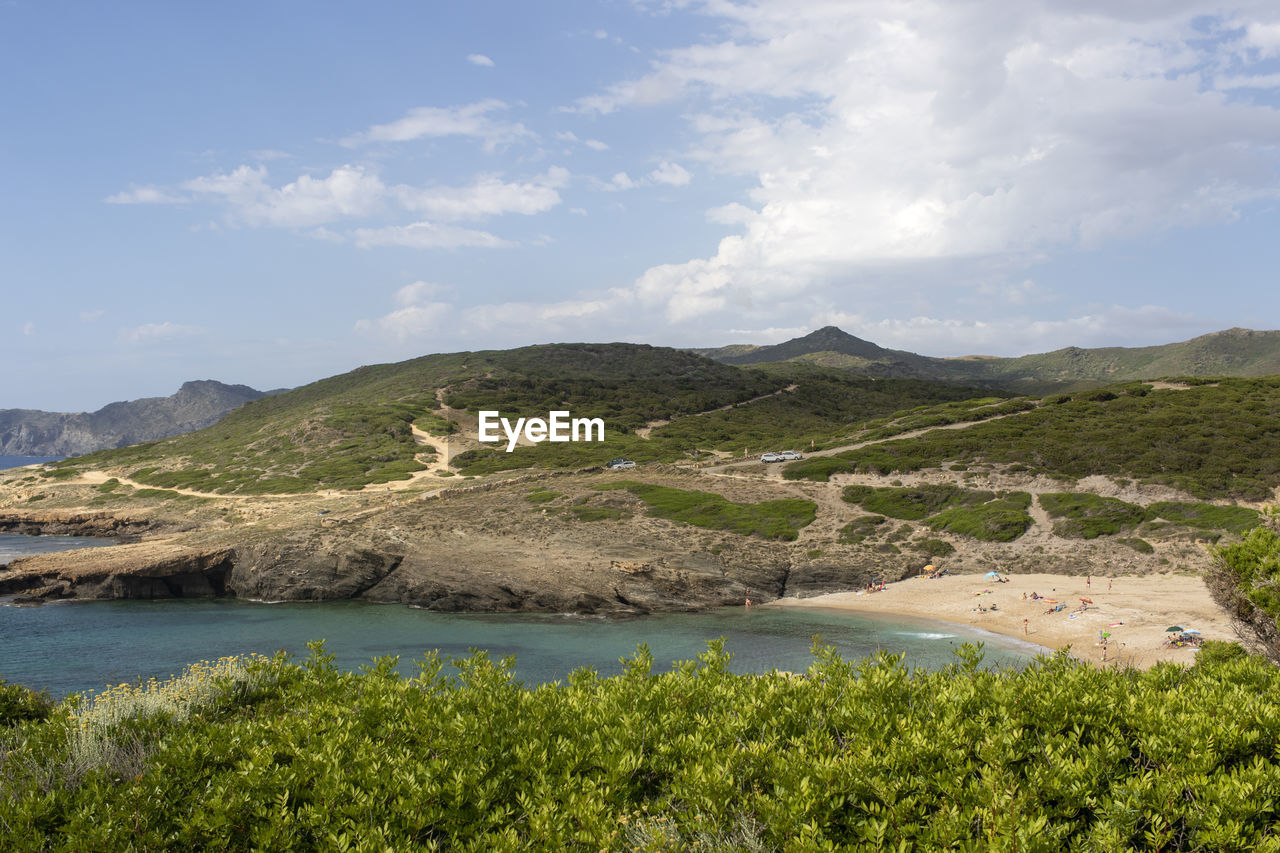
(353, 429)
(1212, 440)
(825, 408)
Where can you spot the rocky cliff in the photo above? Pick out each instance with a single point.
(196, 405)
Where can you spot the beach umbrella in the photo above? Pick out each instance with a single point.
(1172, 628)
(1190, 631)
(992, 575)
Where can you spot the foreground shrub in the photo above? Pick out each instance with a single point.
(18, 704)
(860, 755)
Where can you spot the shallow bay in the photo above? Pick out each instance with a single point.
(72, 647)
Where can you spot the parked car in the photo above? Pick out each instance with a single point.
(772, 457)
(620, 463)
(790, 455)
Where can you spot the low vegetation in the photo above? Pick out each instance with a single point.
(803, 407)
(779, 519)
(1212, 440)
(1088, 516)
(1001, 519)
(855, 755)
(983, 515)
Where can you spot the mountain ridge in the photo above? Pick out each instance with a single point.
(195, 405)
(1229, 352)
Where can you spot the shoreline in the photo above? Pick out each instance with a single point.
(1134, 610)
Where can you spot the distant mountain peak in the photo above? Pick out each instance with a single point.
(195, 405)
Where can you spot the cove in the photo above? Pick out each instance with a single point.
(73, 647)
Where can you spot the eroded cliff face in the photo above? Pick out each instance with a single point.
(464, 557)
(81, 523)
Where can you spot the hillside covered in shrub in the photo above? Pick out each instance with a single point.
(1213, 439)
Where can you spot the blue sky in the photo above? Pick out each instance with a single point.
(269, 193)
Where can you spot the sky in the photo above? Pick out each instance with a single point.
(273, 192)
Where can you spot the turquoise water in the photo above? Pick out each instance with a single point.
(71, 647)
(76, 646)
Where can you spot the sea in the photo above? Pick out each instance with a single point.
(19, 461)
(74, 647)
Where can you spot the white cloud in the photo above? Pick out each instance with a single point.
(265, 154)
(428, 122)
(488, 196)
(160, 332)
(1263, 37)
(593, 144)
(347, 191)
(28, 328)
(480, 59)
(672, 174)
(731, 214)
(353, 192)
(91, 316)
(419, 293)
(145, 195)
(419, 312)
(620, 181)
(879, 133)
(427, 235)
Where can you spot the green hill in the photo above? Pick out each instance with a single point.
(1234, 352)
(354, 429)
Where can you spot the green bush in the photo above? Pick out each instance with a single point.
(1219, 651)
(1142, 546)
(1088, 516)
(1000, 520)
(18, 704)
(858, 755)
(780, 519)
(933, 547)
(1202, 516)
(816, 468)
(861, 528)
(912, 503)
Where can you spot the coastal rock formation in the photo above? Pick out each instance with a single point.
(77, 523)
(143, 570)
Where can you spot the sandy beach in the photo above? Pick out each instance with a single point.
(1136, 611)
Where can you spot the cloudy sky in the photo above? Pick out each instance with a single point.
(272, 192)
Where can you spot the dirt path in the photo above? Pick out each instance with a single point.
(832, 451)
